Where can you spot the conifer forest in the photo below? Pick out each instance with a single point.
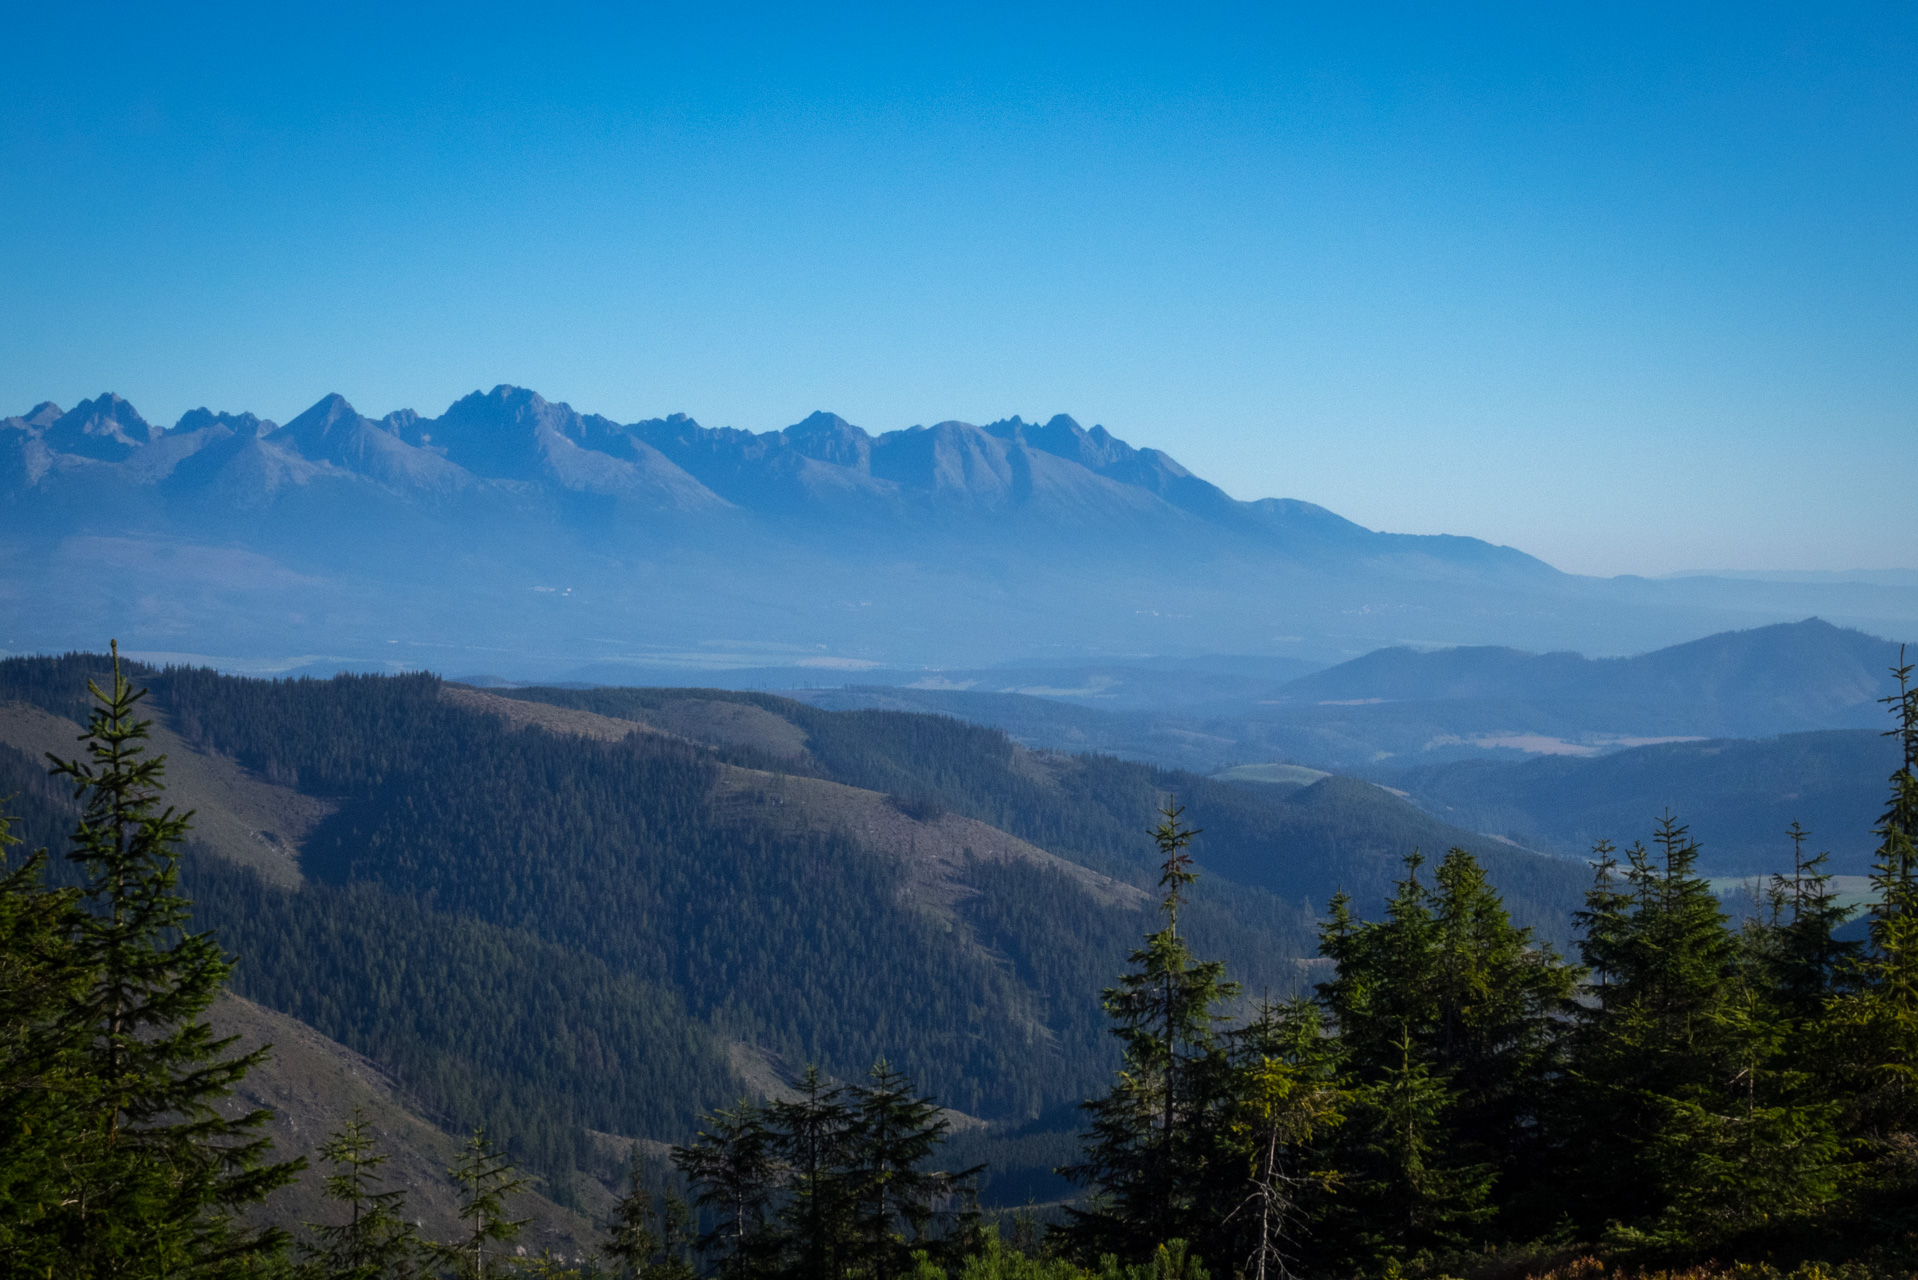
(1074, 1026)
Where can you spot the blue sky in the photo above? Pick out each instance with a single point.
(1635, 289)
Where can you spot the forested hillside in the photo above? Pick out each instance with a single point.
(581, 922)
(1302, 845)
(563, 932)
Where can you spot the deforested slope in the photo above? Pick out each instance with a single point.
(1300, 846)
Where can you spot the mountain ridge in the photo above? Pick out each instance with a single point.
(1788, 677)
(539, 539)
(514, 435)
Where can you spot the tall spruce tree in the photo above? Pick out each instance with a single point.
(650, 1237)
(813, 1136)
(1662, 957)
(486, 1177)
(376, 1242)
(897, 1201)
(1872, 1027)
(831, 1182)
(1289, 1097)
(1807, 962)
(1448, 1016)
(734, 1170)
(1687, 1118)
(1406, 1191)
(161, 1171)
(1157, 1139)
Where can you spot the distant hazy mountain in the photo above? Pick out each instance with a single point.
(1399, 708)
(519, 537)
(1805, 675)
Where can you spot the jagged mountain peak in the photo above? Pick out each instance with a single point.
(1097, 450)
(506, 426)
(106, 427)
(405, 423)
(245, 424)
(513, 433)
(494, 433)
(330, 413)
(38, 418)
(510, 410)
(828, 437)
(334, 433)
(816, 421)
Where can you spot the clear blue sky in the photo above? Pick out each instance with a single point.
(1633, 289)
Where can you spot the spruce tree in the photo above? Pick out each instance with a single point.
(1760, 1148)
(1662, 959)
(375, 1242)
(161, 1171)
(1888, 1008)
(1406, 1190)
(1502, 996)
(1807, 962)
(896, 1200)
(1156, 1139)
(734, 1171)
(1289, 1097)
(650, 1237)
(1688, 1115)
(485, 1177)
(1448, 1016)
(813, 1134)
(1871, 1029)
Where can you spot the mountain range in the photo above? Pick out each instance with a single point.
(516, 536)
